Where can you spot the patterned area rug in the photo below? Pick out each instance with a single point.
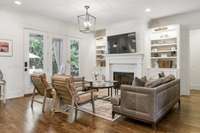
(103, 109)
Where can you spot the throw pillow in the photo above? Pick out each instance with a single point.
(154, 83)
(140, 82)
(161, 75)
(168, 78)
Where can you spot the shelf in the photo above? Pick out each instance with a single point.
(160, 45)
(164, 69)
(166, 38)
(164, 51)
(101, 45)
(100, 49)
(163, 57)
(100, 60)
(100, 54)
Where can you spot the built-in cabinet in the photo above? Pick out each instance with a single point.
(101, 48)
(164, 50)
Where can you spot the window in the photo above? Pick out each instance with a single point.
(57, 55)
(36, 52)
(74, 46)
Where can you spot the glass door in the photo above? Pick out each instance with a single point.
(34, 56)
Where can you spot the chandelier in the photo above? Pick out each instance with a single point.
(86, 22)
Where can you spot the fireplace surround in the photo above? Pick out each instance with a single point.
(128, 63)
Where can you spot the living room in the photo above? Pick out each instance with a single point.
(110, 52)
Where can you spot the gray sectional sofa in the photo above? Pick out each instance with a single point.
(146, 103)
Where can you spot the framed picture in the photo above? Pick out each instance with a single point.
(6, 48)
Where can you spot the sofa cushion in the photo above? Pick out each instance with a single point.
(161, 75)
(168, 78)
(154, 83)
(139, 81)
(115, 100)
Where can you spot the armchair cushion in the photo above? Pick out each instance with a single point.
(116, 100)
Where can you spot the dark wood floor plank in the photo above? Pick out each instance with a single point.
(17, 117)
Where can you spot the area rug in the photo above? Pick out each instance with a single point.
(103, 109)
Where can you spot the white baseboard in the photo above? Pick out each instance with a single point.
(195, 87)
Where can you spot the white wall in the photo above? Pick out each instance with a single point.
(139, 27)
(11, 27)
(194, 59)
(188, 21)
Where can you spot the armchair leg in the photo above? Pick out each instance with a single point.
(76, 113)
(93, 106)
(92, 100)
(44, 102)
(154, 126)
(32, 99)
(179, 103)
(113, 114)
(55, 104)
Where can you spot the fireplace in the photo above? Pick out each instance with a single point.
(124, 77)
(126, 63)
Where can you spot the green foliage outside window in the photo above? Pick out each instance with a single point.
(74, 46)
(36, 48)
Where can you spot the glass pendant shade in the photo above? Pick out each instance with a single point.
(86, 22)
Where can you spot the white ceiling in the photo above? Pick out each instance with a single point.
(106, 11)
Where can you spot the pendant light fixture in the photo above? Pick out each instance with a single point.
(86, 22)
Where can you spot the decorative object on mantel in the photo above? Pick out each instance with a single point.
(98, 74)
(86, 22)
(6, 48)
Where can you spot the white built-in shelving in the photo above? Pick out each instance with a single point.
(164, 49)
(101, 43)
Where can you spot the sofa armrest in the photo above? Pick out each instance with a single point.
(168, 85)
(137, 99)
(116, 100)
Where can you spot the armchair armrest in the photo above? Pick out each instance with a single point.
(116, 100)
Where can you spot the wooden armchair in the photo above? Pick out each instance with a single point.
(66, 91)
(41, 86)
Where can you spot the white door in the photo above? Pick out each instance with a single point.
(35, 56)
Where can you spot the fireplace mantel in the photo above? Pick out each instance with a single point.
(132, 62)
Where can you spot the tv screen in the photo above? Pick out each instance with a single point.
(124, 43)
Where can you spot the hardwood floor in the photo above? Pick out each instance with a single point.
(17, 117)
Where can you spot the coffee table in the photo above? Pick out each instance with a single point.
(97, 85)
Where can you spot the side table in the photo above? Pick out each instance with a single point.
(3, 91)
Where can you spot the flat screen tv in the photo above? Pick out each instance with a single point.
(123, 43)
